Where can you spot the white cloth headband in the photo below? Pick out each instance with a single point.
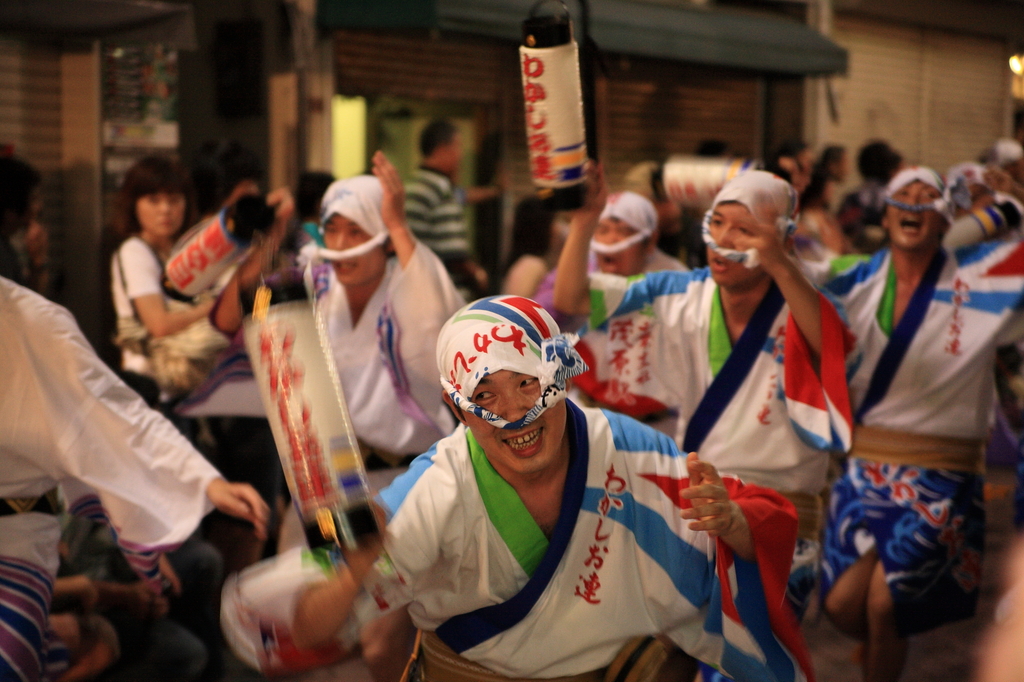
(755, 190)
(633, 209)
(958, 195)
(358, 199)
(313, 251)
(619, 246)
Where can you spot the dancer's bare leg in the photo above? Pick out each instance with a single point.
(847, 602)
(886, 651)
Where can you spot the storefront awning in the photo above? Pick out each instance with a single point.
(131, 21)
(704, 35)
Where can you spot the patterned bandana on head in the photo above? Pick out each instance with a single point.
(969, 173)
(505, 332)
(634, 210)
(756, 190)
(958, 195)
(358, 199)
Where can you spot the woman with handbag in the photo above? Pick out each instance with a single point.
(163, 338)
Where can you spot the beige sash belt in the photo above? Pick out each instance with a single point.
(808, 513)
(440, 664)
(931, 452)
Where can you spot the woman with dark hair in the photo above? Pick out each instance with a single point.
(818, 235)
(154, 203)
(531, 258)
(835, 163)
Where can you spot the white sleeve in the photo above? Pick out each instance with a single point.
(143, 273)
(421, 298)
(147, 476)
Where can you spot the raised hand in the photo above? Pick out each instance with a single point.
(392, 208)
(597, 195)
(712, 510)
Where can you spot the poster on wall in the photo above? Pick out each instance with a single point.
(140, 106)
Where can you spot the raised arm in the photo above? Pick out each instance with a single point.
(392, 208)
(804, 303)
(800, 294)
(572, 290)
(227, 313)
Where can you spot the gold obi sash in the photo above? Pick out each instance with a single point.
(47, 503)
(639, 661)
(808, 513)
(931, 452)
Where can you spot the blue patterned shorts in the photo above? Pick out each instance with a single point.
(928, 526)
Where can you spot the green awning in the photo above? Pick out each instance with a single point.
(130, 21)
(703, 35)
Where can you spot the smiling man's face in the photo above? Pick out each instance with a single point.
(912, 231)
(525, 454)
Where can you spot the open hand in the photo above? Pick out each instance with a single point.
(597, 195)
(713, 511)
(392, 209)
(764, 235)
(241, 501)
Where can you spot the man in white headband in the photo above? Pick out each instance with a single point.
(905, 534)
(748, 352)
(382, 314)
(542, 540)
(624, 244)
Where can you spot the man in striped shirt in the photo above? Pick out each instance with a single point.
(434, 209)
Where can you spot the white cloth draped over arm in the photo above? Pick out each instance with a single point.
(78, 424)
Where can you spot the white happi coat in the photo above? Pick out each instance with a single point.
(68, 421)
(771, 433)
(631, 567)
(945, 385)
(386, 361)
(618, 356)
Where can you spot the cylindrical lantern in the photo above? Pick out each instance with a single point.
(211, 246)
(981, 224)
(693, 181)
(298, 382)
(555, 129)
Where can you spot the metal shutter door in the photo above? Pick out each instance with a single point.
(30, 115)
(968, 97)
(654, 108)
(937, 97)
(880, 97)
(412, 64)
